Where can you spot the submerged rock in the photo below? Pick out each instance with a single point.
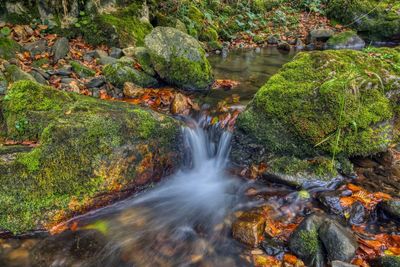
(88, 151)
(179, 59)
(345, 40)
(249, 227)
(322, 105)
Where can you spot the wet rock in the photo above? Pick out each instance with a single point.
(345, 40)
(116, 52)
(96, 82)
(320, 35)
(36, 48)
(273, 39)
(14, 73)
(305, 243)
(132, 90)
(120, 73)
(180, 105)
(273, 247)
(60, 49)
(341, 264)
(179, 59)
(249, 227)
(331, 201)
(339, 242)
(284, 46)
(391, 208)
(8, 48)
(358, 214)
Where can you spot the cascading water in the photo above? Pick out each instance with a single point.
(181, 222)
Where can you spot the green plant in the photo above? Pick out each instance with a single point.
(5, 32)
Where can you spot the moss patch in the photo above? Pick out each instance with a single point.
(87, 148)
(8, 48)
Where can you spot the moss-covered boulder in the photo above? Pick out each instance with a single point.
(337, 104)
(345, 40)
(88, 153)
(377, 20)
(123, 71)
(179, 59)
(8, 48)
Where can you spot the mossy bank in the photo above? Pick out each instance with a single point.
(87, 149)
(334, 104)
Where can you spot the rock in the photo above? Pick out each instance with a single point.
(320, 35)
(82, 70)
(339, 242)
(391, 208)
(249, 227)
(181, 26)
(60, 49)
(132, 90)
(375, 22)
(305, 243)
(142, 56)
(345, 40)
(273, 247)
(67, 80)
(116, 52)
(273, 39)
(358, 214)
(14, 73)
(387, 261)
(331, 200)
(179, 59)
(43, 73)
(293, 114)
(120, 73)
(98, 53)
(3, 83)
(36, 48)
(284, 46)
(341, 264)
(299, 45)
(89, 150)
(96, 82)
(129, 51)
(180, 105)
(106, 60)
(38, 77)
(8, 48)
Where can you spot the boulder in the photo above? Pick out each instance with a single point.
(345, 40)
(14, 73)
(8, 48)
(323, 105)
(320, 35)
(373, 19)
(88, 153)
(179, 59)
(121, 72)
(142, 56)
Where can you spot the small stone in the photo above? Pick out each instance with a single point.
(38, 77)
(299, 45)
(248, 228)
(67, 80)
(331, 201)
(36, 48)
(339, 242)
(82, 70)
(180, 105)
(132, 90)
(273, 247)
(358, 214)
(96, 82)
(106, 60)
(98, 53)
(116, 52)
(60, 49)
(273, 39)
(42, 72)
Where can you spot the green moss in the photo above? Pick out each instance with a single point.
(82, 70)
(333, 100)
(389, 261)
(309, 241)
(8, 48)
(88, 147)
(341, 38)
(122, 72)
(40, 62)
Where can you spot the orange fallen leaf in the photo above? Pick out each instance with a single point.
(347, 201)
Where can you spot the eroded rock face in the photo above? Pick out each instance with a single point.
(179, 59)
(320, 106)
(87, 148)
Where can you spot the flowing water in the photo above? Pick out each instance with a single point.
(183, 221)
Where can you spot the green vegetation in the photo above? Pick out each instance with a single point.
(8, 48)
(86, 147)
